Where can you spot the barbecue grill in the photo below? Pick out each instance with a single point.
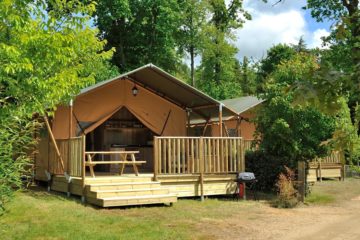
(245, 180)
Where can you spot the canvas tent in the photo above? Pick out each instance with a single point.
(164, 104)
(238, 125)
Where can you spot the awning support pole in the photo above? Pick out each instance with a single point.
(54, 142)
(68, 177)
(220, 120)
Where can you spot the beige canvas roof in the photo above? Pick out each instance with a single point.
(174, 90)
(161, 104)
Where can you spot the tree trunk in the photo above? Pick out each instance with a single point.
(192, 68)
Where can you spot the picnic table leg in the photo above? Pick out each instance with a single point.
(122, 168)
(134, 165)
(91, 166)
(92, 170)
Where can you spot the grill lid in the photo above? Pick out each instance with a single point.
(246, 176)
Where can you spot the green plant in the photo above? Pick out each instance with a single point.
(287, 194)
(266, 168)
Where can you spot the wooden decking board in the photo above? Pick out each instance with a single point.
(110, 191)
(132, 192)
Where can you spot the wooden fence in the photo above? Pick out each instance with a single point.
(71, 151)
(196, 155)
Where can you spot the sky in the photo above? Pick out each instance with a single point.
(271, 24)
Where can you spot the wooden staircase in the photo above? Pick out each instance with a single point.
(126, 191)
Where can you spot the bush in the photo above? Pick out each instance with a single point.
(287, 194)
(16, 141)
(266, 168)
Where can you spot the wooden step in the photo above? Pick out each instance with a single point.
(122, 186)
(129, 201)
(128, 192)
(117, 179)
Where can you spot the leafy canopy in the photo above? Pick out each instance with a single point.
(48, 52)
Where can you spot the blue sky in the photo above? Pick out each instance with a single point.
(271, 24)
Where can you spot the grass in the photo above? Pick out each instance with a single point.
(37, 214)
(316, 198)
(40, 215)
(328, 192)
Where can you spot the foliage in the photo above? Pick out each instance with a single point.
(287, 131)
(16, 141)
(247, 72)
(346, 138)
(274, 57)
(142, 32)
(47, 54)
(287, 194)
(190, 34)
(217, 72)
(265, 167)
(339, 72)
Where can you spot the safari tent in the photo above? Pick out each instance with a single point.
(128, 141)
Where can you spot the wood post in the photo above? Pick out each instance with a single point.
(320, 174)
(301, 180)
(202, 161)
(54, 142)
(83, 171)
(220, 120)
(69, 146)
(156, 157)
(202, 186)
(188, 111)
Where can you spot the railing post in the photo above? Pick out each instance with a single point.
(202, 161)
(83, 171)
(156, 157)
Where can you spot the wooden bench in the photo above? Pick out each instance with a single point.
(123, 155)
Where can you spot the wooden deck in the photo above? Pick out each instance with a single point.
(128, 189)
(182, 167)
(111, 191)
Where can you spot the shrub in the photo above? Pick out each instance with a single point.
(16, 141)
(266, 168)
(287, 194)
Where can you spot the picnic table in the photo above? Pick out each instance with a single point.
(123, 156)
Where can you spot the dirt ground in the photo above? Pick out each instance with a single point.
(337, 220)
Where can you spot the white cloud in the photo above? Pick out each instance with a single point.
(268, 29)
(316, 41)
(273, 24)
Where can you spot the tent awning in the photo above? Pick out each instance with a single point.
(239, 105)
(172, 89)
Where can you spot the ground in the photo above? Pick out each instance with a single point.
(331, 212)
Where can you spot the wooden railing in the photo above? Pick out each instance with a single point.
(249, 145)
(333, 157)
(196, 155)
(71, 153)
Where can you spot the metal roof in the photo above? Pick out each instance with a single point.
(174, 90)
(242, 104)
(239, 105)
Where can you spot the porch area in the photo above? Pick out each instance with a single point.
(182, 167)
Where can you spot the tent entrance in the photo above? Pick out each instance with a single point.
(122, 131)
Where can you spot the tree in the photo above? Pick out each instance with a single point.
(217, 72)
(142, 32)
(46, 57)
(339, 73)
(191, 31)
(247, 73)
(287, 131)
